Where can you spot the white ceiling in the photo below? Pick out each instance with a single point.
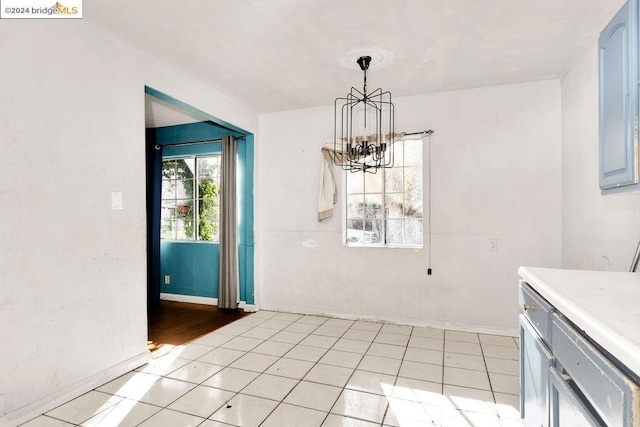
(285, 54)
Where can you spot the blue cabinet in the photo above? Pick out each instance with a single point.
(618, 95)
(566, 380)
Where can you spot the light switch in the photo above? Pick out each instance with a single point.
(116, 201)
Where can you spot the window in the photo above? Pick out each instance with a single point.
(190, 198)
(385, 208)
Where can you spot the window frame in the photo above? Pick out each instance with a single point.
(385, 207)
(195, 196)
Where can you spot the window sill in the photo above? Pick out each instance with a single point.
(189, 241)
(385, 246)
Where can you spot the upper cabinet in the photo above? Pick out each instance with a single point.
(618, 87)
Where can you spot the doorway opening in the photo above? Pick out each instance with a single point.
(182, 268)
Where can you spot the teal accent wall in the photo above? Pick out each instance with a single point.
(193, 266)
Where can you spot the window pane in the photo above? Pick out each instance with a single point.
(184, 189)
(355, 206)
(395, 232)
(184, 226)
(185, 168)
(183, 214)
(208, 167)
(413, 205)
(393, 205)
(169, 169)
(207, 189)
(208, 220)
(413, 230)
(167, 217)
(413, 152)
(393, 180)
(167, 229)
(373, 206)
(355, 182)
(355, 231)
(373, 231)
(168, 189)
(412, 179)
(372, 182)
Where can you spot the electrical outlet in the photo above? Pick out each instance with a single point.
(167, 280)
(493, 245)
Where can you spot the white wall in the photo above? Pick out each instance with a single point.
(72, 271)
(496, 174)
(598, 232)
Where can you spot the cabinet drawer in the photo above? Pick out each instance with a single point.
(536, 309)
(611, 393)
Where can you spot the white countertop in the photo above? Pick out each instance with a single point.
(605, 304)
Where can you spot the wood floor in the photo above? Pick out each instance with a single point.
(174, 323)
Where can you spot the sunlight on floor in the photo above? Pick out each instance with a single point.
(132, 391)
(114, 415)
(416, 407)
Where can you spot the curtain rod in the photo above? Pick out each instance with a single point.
(204, 141)
(423, 132)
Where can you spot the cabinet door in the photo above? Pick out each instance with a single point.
(567, 409)
(618, 99)
(535, 362)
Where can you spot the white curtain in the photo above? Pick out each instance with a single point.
(228, 268)
(328, 192)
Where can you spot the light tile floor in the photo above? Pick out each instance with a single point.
(281, 369)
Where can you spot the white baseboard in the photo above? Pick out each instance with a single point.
(204, 300)
(248, 308)
(396, 320)
(47, 403)
(189, 298)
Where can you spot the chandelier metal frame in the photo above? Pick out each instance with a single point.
(373, 149)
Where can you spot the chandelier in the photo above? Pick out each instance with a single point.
(364, 128)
